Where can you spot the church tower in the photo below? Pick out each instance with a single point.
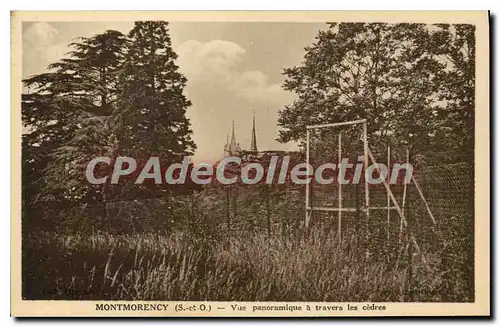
(253, 144)
(232, 148)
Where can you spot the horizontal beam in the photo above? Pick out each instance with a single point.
(348, 209)
(353, 122)
(332, 209)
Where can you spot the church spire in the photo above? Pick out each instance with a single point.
(233, 140)
(253, 144)
(232, 148)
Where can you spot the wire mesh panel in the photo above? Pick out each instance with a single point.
(353, 185)
(337, 194)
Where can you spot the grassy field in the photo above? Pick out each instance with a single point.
(258, 268)
(248, 245)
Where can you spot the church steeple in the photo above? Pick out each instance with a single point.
(232, 148)
(253, 144)
(233, 139)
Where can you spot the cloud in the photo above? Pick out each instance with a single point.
(216, 64)
(202, 61)
(41, 48)
(222, 90)
(54, 53)
(253, 85)
(40, 34)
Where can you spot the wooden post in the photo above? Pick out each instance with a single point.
(405, 222)
(366, 163)
(268, 209)
(388, 198)
(307, 185)
(228, 208)
(234, 202)
(404, 200)
(339, 221)
(409, 253)
(358, 217)
(367, 192)
(423, 199)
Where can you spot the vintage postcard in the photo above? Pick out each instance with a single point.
(250, 164)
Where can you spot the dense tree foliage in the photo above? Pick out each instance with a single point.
(414, 83)
(151, 118)
(111, 95)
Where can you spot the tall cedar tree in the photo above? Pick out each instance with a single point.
(151, 118)
(67, 111)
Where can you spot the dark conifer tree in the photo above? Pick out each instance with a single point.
(67, 111)
(151, 118)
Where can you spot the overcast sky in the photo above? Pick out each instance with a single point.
(233, 69)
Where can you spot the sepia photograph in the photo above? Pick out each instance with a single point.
(258, 165)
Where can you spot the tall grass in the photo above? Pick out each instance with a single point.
(178, 267)
(248, 243)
